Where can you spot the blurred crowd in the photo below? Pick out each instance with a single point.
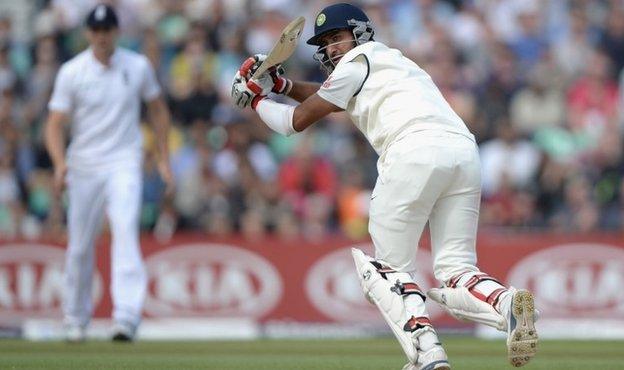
(540, 83)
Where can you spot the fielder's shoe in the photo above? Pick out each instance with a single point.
(75, 334)
(521, 333)
(123, 332)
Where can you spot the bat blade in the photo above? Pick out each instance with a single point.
(284, 47)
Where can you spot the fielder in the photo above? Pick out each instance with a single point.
(429, 171)
(99, 92)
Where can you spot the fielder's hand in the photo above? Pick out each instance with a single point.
(164, 169)
(60, 172)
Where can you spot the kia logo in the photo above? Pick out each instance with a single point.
(211, 280)
(574, 280)
(31, 281)
(333, 287)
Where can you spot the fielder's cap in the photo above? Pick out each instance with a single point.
(102, 17)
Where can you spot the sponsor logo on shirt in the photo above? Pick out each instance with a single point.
(327, 83)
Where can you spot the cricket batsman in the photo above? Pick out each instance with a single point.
(99, 92)
(429, 171)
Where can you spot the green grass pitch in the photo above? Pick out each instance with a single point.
(378, 354)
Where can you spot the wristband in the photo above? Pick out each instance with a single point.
(256, 99)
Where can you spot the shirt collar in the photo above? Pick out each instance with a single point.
(113, 60)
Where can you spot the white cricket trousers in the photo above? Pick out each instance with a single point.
(434, 176)
(118, 192)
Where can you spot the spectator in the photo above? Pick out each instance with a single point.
(573, 52)
(537, 105)
(612, 39)
(578, 212)
(40, 80)
(9, 196)
(507, 161)
(500, 85)
(530, 45)
(353, 203)
(8, 80)
(195, 64)
(18, 55)
(592, 99)
(621, 101)
(38, 88)
(307, 181)
(537, 83)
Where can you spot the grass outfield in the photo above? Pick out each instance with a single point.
(464, 353)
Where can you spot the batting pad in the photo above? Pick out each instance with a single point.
(461, 304)
(390, 304)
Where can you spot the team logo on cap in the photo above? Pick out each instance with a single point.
(320, 19)
(100, 12)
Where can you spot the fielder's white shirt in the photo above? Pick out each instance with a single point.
(104, 104)
(387, 96)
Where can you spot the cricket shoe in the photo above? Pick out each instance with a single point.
(75, 334)
(521, 333)
(123, 332)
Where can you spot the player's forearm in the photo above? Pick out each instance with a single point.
(54, 140)
(287, 120)
(278, 117)
(282, 118)
(301, 90)
(161, 121)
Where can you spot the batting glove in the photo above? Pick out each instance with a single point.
(272, 77)
(245, 93)
(281, 85)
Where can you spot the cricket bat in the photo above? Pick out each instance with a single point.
(284, 47)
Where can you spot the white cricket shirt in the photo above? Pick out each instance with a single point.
(104, 105)
(387, 96)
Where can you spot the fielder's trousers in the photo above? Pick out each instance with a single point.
(116, 191)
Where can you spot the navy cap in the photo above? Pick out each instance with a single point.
(102, 16)
(335, 17)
